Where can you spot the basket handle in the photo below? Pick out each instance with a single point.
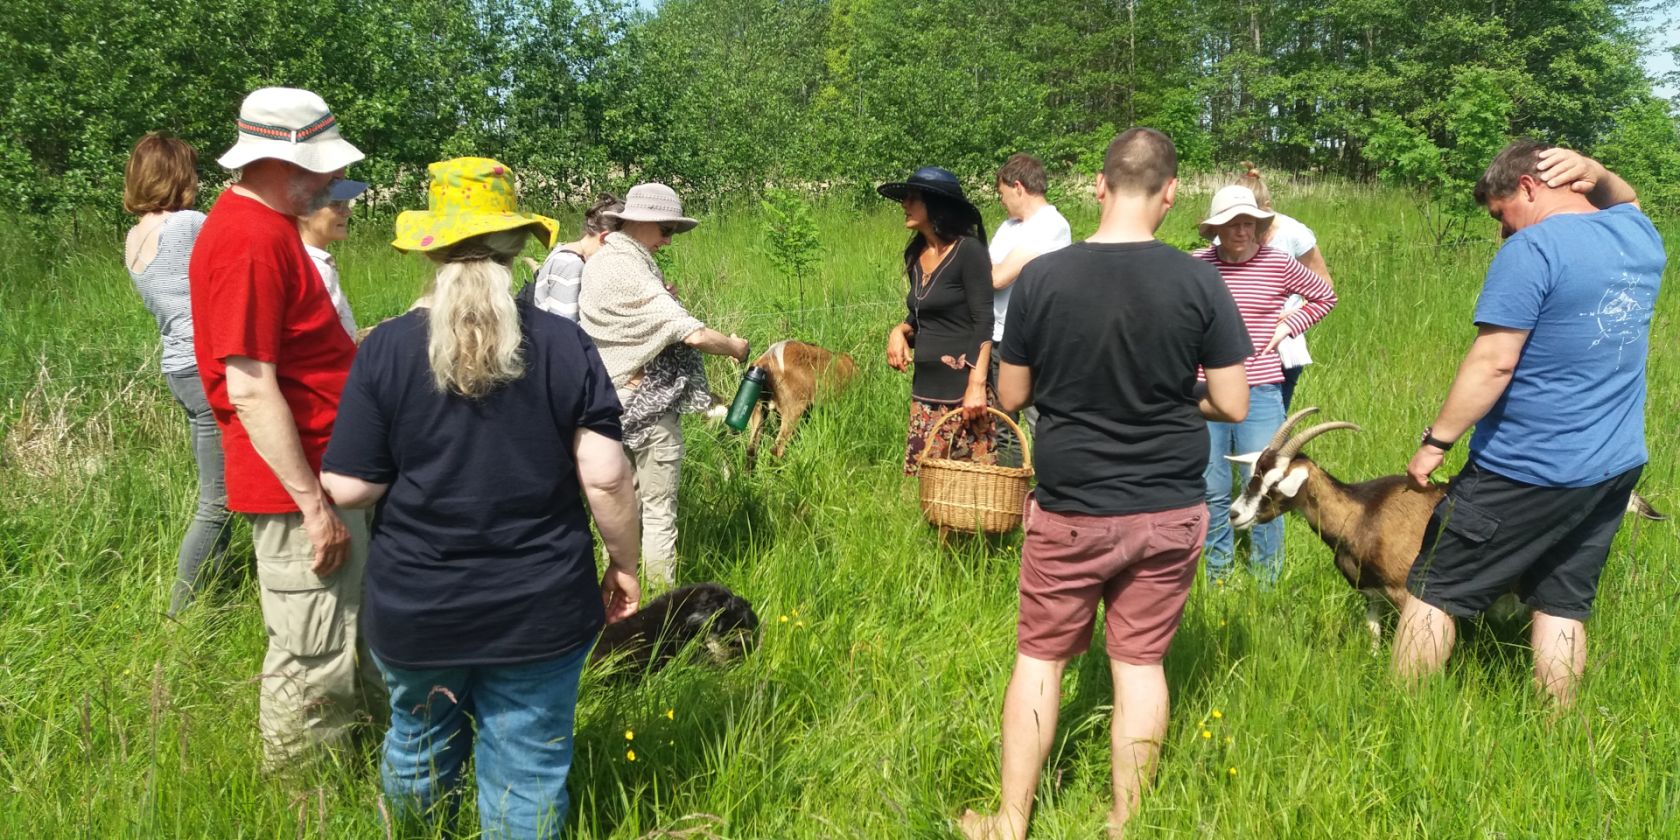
(933, 431)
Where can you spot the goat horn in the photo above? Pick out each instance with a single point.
(1288, 424)
(1295, 443)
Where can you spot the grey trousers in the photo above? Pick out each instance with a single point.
(1008, 446)
(207, 535)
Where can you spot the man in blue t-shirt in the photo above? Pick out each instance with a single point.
(1555, 387)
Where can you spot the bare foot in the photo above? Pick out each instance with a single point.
(1117, 824)
(977, 826)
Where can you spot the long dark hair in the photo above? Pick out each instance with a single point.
(951, 220)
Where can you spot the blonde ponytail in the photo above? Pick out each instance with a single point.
(474, 344)
(1251, 179)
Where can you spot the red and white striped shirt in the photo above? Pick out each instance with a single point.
(1260, 286)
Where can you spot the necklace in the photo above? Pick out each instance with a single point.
(925, 281)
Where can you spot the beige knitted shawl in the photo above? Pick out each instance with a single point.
(626, 310)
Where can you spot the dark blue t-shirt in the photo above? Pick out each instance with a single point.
(1584, 286)
(481, 550)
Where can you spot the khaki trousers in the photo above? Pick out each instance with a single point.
(318, 683)
(658, 467)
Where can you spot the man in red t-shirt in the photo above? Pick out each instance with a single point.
(274, 356)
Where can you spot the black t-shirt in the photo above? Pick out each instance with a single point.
(481, 551)
(951, 312)
(1113, 334)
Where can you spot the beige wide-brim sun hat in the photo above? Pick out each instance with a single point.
(291, 125)
(653, 202)
(467, 197)
(1231, 202)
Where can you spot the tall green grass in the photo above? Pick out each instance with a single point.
(869, 710)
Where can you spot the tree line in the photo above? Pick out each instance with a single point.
(726, 96)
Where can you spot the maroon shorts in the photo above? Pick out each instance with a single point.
(1140, 565)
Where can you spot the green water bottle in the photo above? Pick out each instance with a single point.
(752, 384)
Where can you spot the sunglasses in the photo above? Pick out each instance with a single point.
(667, 229)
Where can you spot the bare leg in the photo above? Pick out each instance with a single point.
(1422, 641)
(1560, 656)
(1140, 724)
(1030, 707)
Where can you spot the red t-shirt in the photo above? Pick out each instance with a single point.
(255, 293)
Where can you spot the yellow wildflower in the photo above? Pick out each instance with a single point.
(629, 734)
(670, 714)
(1231, 772)
(1217, 714)
(783, 619)
(1206, 734)
(631, 755)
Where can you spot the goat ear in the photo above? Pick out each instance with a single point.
(1291, 483)
(1248, 459)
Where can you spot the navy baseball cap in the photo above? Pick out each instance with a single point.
(345, 189)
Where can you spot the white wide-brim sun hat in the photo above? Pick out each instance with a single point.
(291, 125)
(653, 202)
(1231, 202)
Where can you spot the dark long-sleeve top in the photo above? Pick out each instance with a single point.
(951, 316)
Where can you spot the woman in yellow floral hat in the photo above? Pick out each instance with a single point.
(476, 423)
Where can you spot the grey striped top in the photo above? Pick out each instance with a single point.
(162, 285)
(559, 279)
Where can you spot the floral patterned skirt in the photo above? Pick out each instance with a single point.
(958, 439)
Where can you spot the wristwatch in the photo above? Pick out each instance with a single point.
(1429, 439)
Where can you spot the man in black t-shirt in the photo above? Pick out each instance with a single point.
(1105, 337)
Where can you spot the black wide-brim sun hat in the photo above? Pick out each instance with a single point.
(929, 179)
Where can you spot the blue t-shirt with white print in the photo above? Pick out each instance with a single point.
(1584, 285)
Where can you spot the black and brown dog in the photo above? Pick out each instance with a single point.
(707, 613)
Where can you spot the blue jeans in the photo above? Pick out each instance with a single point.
(1265, 415)
(207, 536)
(520, 739)
(1291, 378)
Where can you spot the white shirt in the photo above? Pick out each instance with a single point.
(1294, 239)
(329, 277)
(1044, 232)
(1291, 237)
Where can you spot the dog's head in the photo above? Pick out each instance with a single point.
(708, 613)
(724, 621)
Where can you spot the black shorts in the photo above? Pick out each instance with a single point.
(1491, 534)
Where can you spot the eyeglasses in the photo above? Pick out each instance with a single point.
(667, 229)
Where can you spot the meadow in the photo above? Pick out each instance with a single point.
(869, 709)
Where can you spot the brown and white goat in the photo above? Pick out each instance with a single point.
(1374, 528)
(799, 375)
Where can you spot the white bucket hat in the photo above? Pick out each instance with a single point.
(291, 125)
(653, 203)
(1231, 202)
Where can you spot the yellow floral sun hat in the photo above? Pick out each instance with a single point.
(468, 196)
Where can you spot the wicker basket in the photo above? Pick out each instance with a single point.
(980, 498)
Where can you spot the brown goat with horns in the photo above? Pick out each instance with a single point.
(1375, 528)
